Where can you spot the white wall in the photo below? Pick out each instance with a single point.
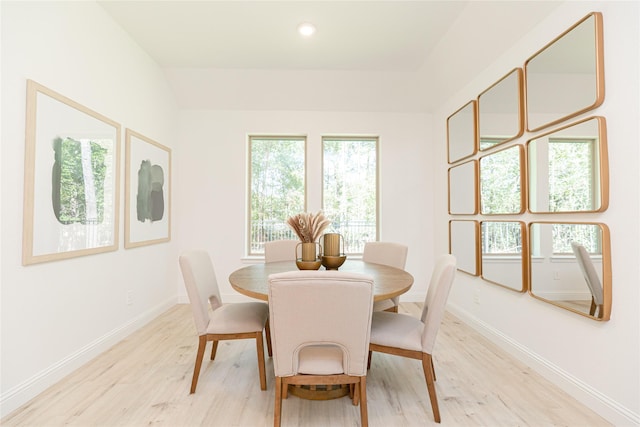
(211, 187)
(58, 315)
(595, 362)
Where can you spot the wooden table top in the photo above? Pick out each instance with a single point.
(388, 282)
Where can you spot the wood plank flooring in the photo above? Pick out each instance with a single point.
(145, 380)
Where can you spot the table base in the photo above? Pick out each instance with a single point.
(319, 392)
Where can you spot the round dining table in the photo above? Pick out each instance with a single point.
(388, 282)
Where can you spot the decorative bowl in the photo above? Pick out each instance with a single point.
(333, 262)
(308, 265)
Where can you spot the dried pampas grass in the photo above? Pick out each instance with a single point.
(308, 226)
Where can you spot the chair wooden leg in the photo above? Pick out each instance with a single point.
(369, 360)
(261, 371)
(202, 344)
(214, 349)
(427, 367)
(364, 417)
(354, 390)
(433, 370)
(277, 410)
(267, 330)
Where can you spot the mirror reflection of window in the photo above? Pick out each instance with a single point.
(568, 169)
(501, 182)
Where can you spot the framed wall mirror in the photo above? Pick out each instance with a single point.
(501, 111)
(462, 133)
(463, 244)
(568, 169)
(463, 188)
(502, 182)
(503, 254)
(566, 77)
(570, 266)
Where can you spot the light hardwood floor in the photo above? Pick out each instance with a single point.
(145, 380)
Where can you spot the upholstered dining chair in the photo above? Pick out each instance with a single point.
(386, 253)
(591, 277)
(408, 336)
(225, 321)
(320, 326)
(280, 250)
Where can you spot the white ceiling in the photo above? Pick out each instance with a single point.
(371, 55)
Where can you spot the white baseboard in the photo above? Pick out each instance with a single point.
(12, 399)
(606, 407)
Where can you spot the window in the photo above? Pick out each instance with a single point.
(350, 189)
(277, 179)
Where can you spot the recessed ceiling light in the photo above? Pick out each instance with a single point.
(306, 29)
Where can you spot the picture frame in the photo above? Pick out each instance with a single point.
(72, 179)
(147, 191)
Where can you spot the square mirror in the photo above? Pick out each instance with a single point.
(570, 266)
(504, 254)
(462, 133)
(566, 77)
(501, 111)
(568, 169)
(463, 188)
(463, 244)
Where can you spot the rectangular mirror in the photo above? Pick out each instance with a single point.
(568, 169)
(501, 111)
(463, 188)
(501, 182)
(463, 244)
(462, 133)
(566, 77)
(504, 254)
(570, 267)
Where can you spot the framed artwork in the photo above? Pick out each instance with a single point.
(71, 185)
(148, 191)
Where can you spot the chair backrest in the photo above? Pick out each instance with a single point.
(386, 253)
(436, 301)
(589, 272)
(280, 250)
(320, 308)
(202, 286)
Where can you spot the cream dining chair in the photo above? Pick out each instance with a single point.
(280, 250)
(591, 277)
(320, 325)
(224, 322)
(386, 253)
(404, 335)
